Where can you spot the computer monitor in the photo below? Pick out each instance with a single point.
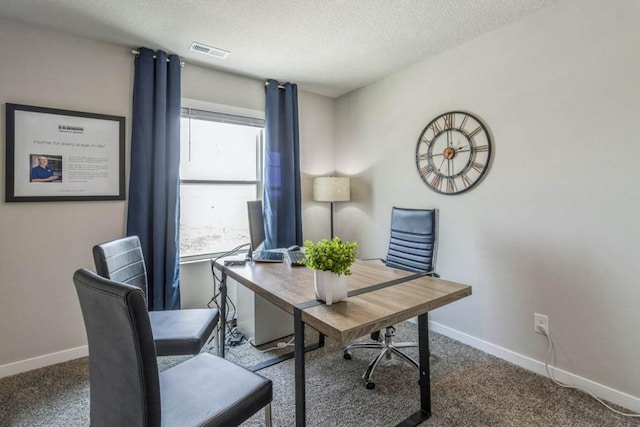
(256, 226)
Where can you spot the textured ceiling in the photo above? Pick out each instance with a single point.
(329, 47)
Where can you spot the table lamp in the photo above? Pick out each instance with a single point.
(331, 189)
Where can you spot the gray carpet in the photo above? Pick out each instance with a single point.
(469, 388)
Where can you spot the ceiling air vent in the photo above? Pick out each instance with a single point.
(208, 50)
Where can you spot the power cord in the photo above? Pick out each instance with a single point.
(278, 346)
(222, 255)
(550, 351)
(234, 337)
(216, 280)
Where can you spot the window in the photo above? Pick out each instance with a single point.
(220, 170)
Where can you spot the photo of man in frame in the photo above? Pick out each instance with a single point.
(45, 168)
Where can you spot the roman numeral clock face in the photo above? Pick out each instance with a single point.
(453, 153)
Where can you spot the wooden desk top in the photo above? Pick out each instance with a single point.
(287, 286)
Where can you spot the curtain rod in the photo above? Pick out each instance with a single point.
(279, 86)
(136, 53)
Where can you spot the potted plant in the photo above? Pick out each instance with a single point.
(330, 261)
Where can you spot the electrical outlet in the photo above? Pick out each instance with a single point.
(540, 323)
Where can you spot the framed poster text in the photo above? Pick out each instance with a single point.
(61, 155)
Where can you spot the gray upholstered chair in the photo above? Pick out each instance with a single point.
(175, 332)
(412, 246)
(126, 388)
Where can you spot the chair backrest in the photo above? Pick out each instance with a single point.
(413, 240)
(123, 370)
(122, 260)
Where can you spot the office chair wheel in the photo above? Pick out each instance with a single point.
(347, 355)
(370, 385)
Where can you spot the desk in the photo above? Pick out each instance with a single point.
(379, 296)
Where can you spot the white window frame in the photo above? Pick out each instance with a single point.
(228, 114)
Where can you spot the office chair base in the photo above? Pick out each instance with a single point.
(387, 349)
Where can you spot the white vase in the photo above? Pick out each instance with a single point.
(330, 287)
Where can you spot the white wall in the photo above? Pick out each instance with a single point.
(317, 158)
(553, 228)
(42, 244)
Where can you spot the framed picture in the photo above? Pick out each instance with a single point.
(61, 155)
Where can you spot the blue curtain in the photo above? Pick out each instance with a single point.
(154, 197)
(282, 200)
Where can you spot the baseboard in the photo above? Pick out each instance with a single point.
(607, 393)
(42, 361)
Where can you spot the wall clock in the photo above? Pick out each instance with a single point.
(453, 152)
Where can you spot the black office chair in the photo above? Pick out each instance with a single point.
(125, 387)
(175, 332)
(412, 246)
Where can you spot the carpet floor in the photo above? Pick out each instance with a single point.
(469, 388)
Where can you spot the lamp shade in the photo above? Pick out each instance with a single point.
(331, 189)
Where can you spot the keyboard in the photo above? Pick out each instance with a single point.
(295, 257)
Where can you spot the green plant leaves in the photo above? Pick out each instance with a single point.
(333, 255)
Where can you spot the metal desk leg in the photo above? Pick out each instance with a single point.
(298, 332)
(425, 376)
(425, 367)
(223, 313)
